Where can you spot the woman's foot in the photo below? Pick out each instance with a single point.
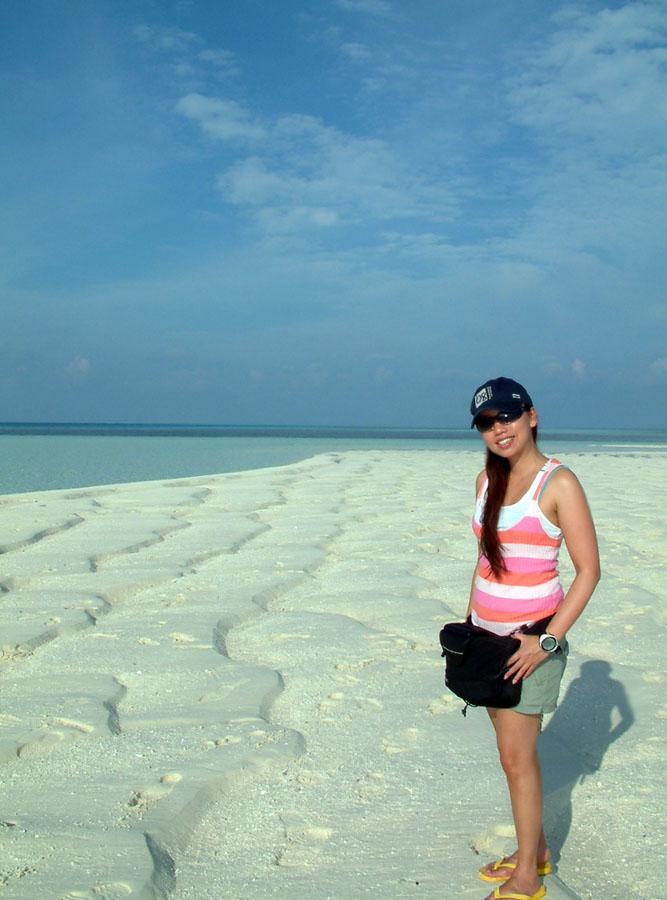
(501, 870)
(531, 889)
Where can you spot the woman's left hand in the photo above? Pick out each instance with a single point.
(526, 659)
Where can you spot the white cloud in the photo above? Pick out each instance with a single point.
(187, 55)
(296, 218)
(219, 64)
(303, 172)
(164, 39)
(552, 367)
(578, 368)
(78, 367)
(184, 70)
(372, 7)
(373, 84)
(592, 98)
(251, 182)
(659, 366)
(357, 52)
(222, 58)
(225, 120)
(599, 81)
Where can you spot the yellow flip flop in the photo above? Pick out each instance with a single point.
(540, 892)
(504, 863)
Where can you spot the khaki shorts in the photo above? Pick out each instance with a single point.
(539, 692)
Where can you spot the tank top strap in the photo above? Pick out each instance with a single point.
(483, 489)
(547, 471)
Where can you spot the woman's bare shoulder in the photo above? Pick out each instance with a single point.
(564, 484)
(564, 475)
(479, 482)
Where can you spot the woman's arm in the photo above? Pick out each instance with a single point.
(564, 504)
(478, 487)
(573, 516)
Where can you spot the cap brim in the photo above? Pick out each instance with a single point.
(519, 406)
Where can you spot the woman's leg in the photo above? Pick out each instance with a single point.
(516, 735)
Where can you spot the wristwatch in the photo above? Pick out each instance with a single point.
(549, 643)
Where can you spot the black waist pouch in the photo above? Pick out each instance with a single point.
(475, 662)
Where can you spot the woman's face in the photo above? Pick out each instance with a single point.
(507, 439)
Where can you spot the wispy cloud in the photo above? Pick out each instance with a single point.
(306, 173)
(355, 51)
(186, 53)
(592, 103)
(578, 368)
(370, 7)
(78, 368)
(224, 120)
(659, 367)
(224, 59)
(599, 83)
(166, 39)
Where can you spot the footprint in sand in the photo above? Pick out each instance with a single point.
(304, 843)
(310, 777)
(353, 666)
(16, 651)
(493, 840)
(334, 700)
(369, 703)
(50, 738)
(225, 741)
(392, 748)
(141, 801)
(346, 679)
(7, 719)
(381, 639)
(113, 891)
(446, 703)
(171, 778)
(371, 786)
(187, 640)
(9, 875)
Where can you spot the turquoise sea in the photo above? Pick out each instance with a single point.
(35, 457)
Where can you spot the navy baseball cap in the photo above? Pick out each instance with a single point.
(503, 394)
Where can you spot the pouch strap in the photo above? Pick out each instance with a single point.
(538, 627)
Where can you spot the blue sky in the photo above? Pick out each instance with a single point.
(332, 211)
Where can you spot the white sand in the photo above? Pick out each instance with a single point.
(231, 687)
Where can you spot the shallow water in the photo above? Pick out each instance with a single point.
(47, 457)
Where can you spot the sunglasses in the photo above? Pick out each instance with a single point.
(486, 423)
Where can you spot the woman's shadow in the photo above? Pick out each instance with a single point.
(576, 739)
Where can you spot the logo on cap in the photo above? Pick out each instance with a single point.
(482, 396)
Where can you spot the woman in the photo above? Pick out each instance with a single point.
(526, 505)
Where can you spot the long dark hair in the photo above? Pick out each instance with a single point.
(498, 473)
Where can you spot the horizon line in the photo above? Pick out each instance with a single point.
(299, 427)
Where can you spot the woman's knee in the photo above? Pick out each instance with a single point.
(517, 745)
(517, 759)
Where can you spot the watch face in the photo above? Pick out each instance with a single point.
(548, 643)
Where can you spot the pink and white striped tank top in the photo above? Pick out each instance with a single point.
(530, 588)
